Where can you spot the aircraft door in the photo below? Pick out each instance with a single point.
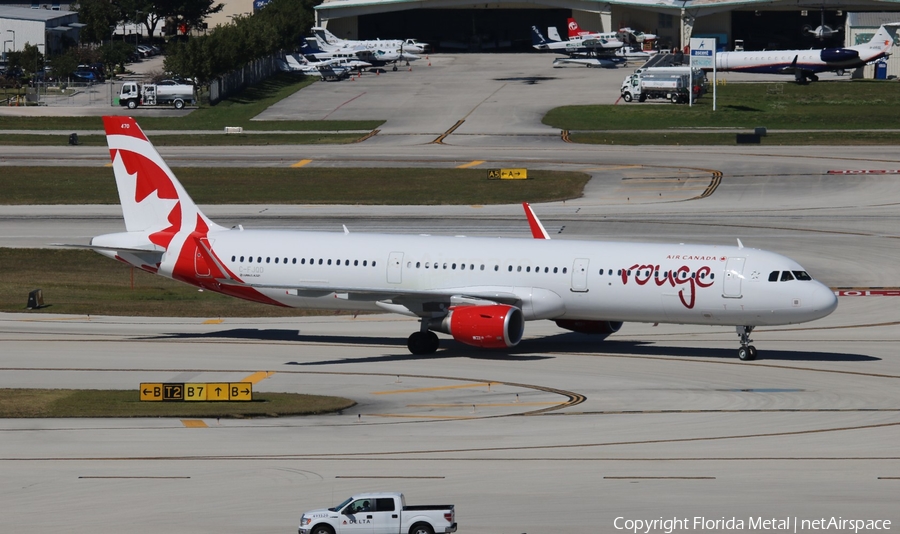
(579, 275)
(395, 268)
(734, 274)
(201, 267)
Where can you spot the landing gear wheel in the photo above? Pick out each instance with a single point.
(420, 343)
(747, 352)
(395, 68)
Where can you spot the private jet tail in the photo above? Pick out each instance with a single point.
(328, 37)
(574, 29)
(884, 38)
(537, 39)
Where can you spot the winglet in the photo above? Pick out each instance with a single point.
(537, 229)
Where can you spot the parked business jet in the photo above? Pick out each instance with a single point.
(481, 291)
(804, 64)
(410, 45)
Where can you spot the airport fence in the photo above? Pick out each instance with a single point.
(237, 80)
(61, 94)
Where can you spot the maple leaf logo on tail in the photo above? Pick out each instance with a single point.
(152, 198)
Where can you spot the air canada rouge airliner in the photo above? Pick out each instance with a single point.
(480, 291)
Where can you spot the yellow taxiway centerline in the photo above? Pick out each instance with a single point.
(301, 163)
(471, 164)
(193, 423)
(258, 376)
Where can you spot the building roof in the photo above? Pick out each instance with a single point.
(38, 15)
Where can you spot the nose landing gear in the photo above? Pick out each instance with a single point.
(747, 351)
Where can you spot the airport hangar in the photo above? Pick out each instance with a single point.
(505, 24)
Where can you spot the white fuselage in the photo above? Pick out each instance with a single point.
(558, 279)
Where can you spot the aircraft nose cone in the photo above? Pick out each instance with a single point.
(823, 300)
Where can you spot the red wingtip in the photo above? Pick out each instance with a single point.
(537, 229)
(118, 125)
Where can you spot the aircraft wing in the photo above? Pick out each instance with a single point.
(418, 302)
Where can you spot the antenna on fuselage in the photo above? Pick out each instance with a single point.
(740, 245)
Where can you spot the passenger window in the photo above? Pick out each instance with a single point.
(418, 264)
(232, 258)
(555, 270)
(773, 276)
(294, 261)
(472, 267)
(364, 263)
(242, 259)
(251, 259)
(259, 259)
(454, 267)
(802, 275)
(267, 260)
(445, 266)
(320, 261)
(510, 268)
(601, 272)
(565, 270)
(786, 276)
(519, 269)
(373, 264)
(356, 263)
(276, 260)
(329, 262)
(546, 269)
(302, 261)
(528, 269)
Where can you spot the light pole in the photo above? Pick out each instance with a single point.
(4, 48)
(13, 39)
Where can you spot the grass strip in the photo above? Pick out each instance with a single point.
(213, 139)
(19, 403)
(309, 185)
(237, 110)
(823, 105)
(82, 282)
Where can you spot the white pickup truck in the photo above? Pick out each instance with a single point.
(379, 513)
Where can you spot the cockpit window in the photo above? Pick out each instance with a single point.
(786, 276)
(773, 276)
(802, 275)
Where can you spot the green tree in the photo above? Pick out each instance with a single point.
(31, 59)
(278, 26)
(114, 54)
(63, 65)
(100, 17)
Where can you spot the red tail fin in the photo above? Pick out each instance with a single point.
(574, 29)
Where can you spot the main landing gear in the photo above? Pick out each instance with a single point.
(423, 342)
(747, 351)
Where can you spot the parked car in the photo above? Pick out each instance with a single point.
(84, 76)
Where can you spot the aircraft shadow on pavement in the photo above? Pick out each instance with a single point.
(529, 350)
(582, 343)
(449, 348)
